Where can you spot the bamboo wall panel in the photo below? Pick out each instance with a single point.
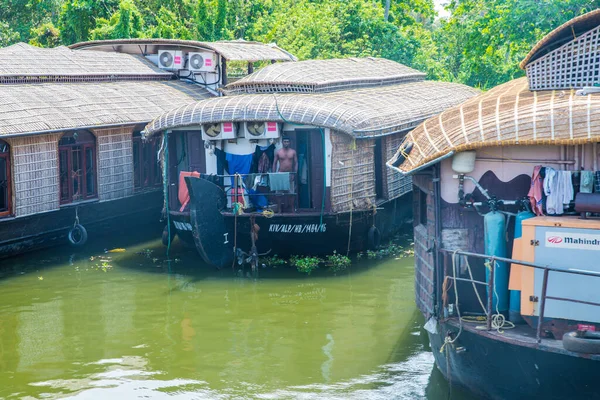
(115, 163)
(397, 185)
(35, 173)
(352, 173)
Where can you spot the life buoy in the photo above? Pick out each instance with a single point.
(588, 342)
(77, 235)
(165, 235)
(374, 238)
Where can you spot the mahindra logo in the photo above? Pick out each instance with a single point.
(555, 239)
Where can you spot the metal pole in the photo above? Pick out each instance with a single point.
(542, 307)
(490, 296)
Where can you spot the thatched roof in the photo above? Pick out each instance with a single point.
(49, 107)
(563, 34)
(233, 50)
(25, 63)
(360, 113)
(509, 114)
(315, 76)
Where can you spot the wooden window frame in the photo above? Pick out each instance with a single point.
(150, 178)
(69, 150)
(6, 156)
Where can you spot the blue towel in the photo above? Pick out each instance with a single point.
(238, 164)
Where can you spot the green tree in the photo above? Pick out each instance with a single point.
(45, 35)
(7, 35)
(78, 18)
(220, 28)
(169, 26)
(483, 41)
(126, 22)
(204, 25)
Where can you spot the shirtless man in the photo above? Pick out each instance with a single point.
(288, 162)
(287, 157)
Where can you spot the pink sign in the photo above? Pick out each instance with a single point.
(228, 127)
(271, 126)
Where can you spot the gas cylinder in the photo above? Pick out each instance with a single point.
(514, 309)
(494, 224)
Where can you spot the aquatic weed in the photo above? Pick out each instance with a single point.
(273, 261)
(305, 264)
(337, 262)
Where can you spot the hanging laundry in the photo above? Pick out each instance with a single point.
(238, 163)
(221, 161)
(262, 159)
(586, 183)
(536, 191)
(303, 169)
(566, 187)
(558, 188)
(279, 181)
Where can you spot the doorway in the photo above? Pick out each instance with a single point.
(311, 168)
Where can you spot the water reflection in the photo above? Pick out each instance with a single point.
(147, 327)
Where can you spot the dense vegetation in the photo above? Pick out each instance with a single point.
(480, 43)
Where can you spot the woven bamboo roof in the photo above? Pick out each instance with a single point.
(232, 50)
(509, 114)
(360, 112)
(48, 107)
(563, 34)
(315, 76)
(22, 62)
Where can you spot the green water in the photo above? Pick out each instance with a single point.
(137, 326)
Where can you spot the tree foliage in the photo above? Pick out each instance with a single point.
(480, 43)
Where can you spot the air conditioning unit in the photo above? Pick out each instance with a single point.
(171, 60)
(261, 130)
(219, 131)
(204, 61)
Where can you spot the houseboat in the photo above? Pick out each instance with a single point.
(292, 159)
(506, 205)
(72, 161)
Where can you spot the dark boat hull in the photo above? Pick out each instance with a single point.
(215, 233)
(33, 232)
(501, 370)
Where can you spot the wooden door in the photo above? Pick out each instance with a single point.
(196, 152)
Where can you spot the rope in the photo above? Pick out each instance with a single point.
(499, 322)
(268, 213)
(165, 146)
(351, 200)
(76, 217)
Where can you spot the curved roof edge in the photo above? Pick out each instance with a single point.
(556, 38)
(361, 113)
(507, 115)
(232, 50)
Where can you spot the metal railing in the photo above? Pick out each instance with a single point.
(232, 188)
(546, 268)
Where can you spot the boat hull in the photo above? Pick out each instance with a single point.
(501, 370)
(215, 233)
(38, 231)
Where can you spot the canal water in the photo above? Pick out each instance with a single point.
(131, 324)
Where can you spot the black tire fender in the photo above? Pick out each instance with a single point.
(77, 235)
(374, 238)
(588, 344)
